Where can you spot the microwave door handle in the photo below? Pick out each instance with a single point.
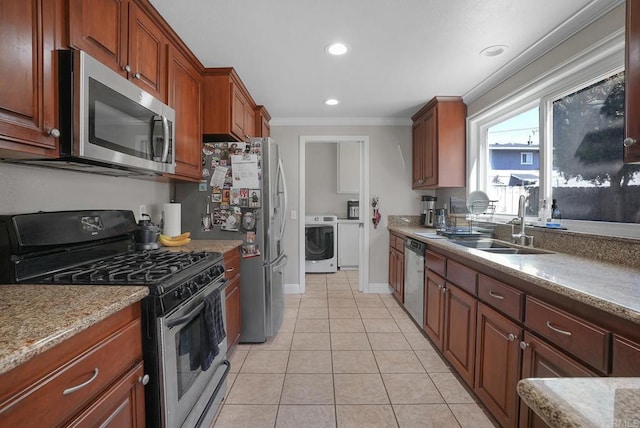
(165, 147)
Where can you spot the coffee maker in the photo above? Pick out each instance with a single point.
(428, 213)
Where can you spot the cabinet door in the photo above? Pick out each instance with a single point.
(540, 359)
(147, 53)
(460, 331)
(234, 314)
(430, 154)
(348, 167)
(100, 28)
(497, 364)
(399, 290)
(249, 121)
(348, 245)
(392, 267)
(417, 153)
(238, 105)
(120, 406)
(263, 129)
(27, 91)
(626, 357)
(434, 307)
(632, 82)
(185, 86)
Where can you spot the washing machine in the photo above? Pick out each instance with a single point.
(321, 244)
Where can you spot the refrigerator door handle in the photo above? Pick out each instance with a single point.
(279, 265)
(284, 192)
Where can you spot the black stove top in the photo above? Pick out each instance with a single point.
(151, 268)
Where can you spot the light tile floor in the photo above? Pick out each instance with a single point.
(345, 359)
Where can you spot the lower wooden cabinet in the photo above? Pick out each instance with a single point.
(434, 307)
(459, 341)
(540, 359)
(95, 378)
(396, 267)
(233, 300)
(498, 364)
(626, 357)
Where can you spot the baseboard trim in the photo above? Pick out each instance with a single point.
(292, 289)
(380, 288)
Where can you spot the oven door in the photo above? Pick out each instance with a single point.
(191, 395)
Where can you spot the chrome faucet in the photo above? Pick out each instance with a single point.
(521, 238)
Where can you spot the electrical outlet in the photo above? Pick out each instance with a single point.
(294, 214)
(142, 209)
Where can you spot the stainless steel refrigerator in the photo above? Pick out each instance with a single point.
(255, 215)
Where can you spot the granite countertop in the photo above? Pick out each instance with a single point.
(218, 245)
(606, 286)
(34, 318)
(584, 402)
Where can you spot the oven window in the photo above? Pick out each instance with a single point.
(319, 242)
(189, 353)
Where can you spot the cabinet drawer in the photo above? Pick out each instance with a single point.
(626, 357)
(436, 262)
(504, 298)
(400, 244)
(576, 336)
(462, 276)
(56, 397)
(231, 263)
(392, 241)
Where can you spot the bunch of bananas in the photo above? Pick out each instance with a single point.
(175, 241)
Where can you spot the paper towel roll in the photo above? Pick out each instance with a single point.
(171, 215)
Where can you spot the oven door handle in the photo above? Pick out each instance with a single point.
(186, 318)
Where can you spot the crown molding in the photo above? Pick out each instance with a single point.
(340, 121)
(586, 16)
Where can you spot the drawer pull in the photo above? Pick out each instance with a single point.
(496, 295)
(82, 385)
(230, 269)
(511, 337)
(557, 330)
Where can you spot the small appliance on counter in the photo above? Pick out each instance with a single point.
(353, 209)
(147, 234)
(427, 215)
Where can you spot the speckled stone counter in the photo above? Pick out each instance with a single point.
(584, 402)
(34, 318)
(218, 246)
(612, 288)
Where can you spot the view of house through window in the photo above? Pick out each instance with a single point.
(513, 166)
(590, 180)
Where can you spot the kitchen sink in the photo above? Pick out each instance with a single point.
(498, 247)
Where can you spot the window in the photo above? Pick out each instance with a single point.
(560, 137)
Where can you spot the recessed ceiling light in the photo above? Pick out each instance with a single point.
(493, 50)
(337, 49)
(331, 102)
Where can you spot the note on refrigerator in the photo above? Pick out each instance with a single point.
(244, 169)
(217, 178)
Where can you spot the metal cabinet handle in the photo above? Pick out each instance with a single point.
(230, 269)
(496, 295)
(144, 379)
(557, 330)
(127, 68)
(628, 142)
(524, 345)
(511, 337)
(82, 385)
(54, 132)
(136, 75)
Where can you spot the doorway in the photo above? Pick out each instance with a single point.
(361, 192)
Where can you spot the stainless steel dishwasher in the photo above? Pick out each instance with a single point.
(414, 279)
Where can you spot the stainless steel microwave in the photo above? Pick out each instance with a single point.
(107, 124)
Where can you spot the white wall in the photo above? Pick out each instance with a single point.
(390, 180)
(25, 189)
(321, 179)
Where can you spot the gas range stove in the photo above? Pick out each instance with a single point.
(98, 248)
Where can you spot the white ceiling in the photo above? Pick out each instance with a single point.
(403, 52)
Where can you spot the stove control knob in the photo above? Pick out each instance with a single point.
(193, 287)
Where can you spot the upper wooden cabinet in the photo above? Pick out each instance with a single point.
(27, 86)
(439, 144)
(263, 129)
(228, 107)
(185, 91)
(123, 37)
(632, 84)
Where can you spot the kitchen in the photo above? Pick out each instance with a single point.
(26, 189)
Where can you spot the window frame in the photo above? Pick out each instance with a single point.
(596, 63)
(526, 158)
